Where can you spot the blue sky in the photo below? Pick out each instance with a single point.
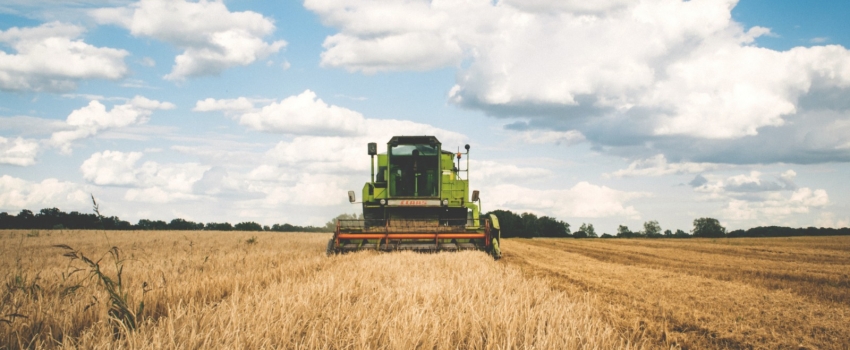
(607, 113)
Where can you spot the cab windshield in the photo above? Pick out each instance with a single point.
(414, 170)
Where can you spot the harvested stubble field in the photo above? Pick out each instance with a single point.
(773, 293)
(279, 290)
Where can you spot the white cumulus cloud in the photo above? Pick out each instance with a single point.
(20, 151)
(491, 172)
(584, 200)
(111, 168)
(305, 114)
(16, 193)
(776, 206)
(748, 184)
(149, 182)
(306, 189)
(391, 35)
(616, 72)
(753, 199)
(212, 37)
(240, 104)
(575, 6)
(94, 118)
(828, 219)
(51, 57)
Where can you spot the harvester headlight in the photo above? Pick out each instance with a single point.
(383, 201)
(445, 202)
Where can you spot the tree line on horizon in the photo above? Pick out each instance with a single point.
(53, 218)
(528, 225)
(525, 225)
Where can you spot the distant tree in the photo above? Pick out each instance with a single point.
(624, 232)
(48, 218)
(25, 219)
(605, 235)
(6, 220)
(145, 224)
(290, 228)
(181, 224)
(737, 233)
(293, 228)
(652, 229)
(79, 221)
(551, 227)
(114, 223)
(214, 226)
(586, 231)
(681, 234)
(512, 225)
(530, 225)
(248, 226)
(708, 227)
(776, 231)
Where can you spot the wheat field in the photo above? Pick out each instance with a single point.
(279, 290)
(276, 290)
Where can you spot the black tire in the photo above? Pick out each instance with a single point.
(330, 251)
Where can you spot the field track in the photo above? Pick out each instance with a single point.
(703, 293)
(255, 290)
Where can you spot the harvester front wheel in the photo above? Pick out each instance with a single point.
(330, 251)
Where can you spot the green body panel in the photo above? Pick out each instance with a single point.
(450, 187)
(494, 224)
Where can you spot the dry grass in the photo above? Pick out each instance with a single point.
(205, 289)
(701, 293)
(278, 290)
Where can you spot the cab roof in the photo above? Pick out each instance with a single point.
(414, 140)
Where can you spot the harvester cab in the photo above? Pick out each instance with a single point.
(419, 200)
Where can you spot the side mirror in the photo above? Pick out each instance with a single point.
(373, 148)
(475, 195)
(351, 197)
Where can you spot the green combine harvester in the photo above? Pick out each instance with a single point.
(419, 201)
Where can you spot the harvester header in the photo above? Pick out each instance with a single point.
(418, 199)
